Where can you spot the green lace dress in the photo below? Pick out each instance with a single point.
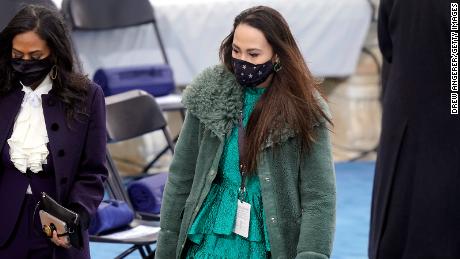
(212, 231)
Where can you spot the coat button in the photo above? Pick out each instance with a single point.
(54, 127)
(267, 179)
(273, 220)
(61, 153)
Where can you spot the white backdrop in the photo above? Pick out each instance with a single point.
(330, 34)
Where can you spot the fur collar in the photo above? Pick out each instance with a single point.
(216, 99)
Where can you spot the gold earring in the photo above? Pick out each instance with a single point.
(54, 72)
(277, 67)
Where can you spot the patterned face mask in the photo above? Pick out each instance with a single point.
(250, 75)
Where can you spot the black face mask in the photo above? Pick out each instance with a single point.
(250, 75)
(29, 72)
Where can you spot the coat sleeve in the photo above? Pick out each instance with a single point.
(88, 189)
(318, 198)
(177, 190)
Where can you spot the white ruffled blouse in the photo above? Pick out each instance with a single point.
(28, 142)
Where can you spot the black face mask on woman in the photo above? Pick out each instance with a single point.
(250, 75)
(29, 72)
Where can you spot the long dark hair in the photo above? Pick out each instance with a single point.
(290, 99)
(70, 86)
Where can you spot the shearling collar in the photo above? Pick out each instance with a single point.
(216, 99)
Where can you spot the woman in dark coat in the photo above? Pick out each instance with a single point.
(52, 135)
(415, 207)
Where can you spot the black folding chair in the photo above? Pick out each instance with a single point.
(111, 14)
(130, 115)
(9, 8)
(100, 15)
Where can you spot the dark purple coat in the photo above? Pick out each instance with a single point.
(78, 151)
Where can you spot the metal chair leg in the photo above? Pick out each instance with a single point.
(142, 252)
(127, 252)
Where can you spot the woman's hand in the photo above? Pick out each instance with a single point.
(60, 241)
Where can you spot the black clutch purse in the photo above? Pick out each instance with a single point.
(57, 217)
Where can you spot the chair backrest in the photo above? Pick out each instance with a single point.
(107, 14)
(9, 8)
(132, 114)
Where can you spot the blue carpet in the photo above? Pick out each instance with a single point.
(354, 188)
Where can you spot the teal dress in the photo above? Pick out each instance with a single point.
(212, 231)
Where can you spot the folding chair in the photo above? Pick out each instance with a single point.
(104, 15)
(110, 14)
(9, 8)
(129, 115)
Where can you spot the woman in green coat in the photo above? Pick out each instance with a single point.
(252, 175)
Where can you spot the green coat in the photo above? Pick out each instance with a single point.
(298, 190)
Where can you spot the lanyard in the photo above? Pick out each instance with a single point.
(242, 153)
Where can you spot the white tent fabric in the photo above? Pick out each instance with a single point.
(330, 34)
